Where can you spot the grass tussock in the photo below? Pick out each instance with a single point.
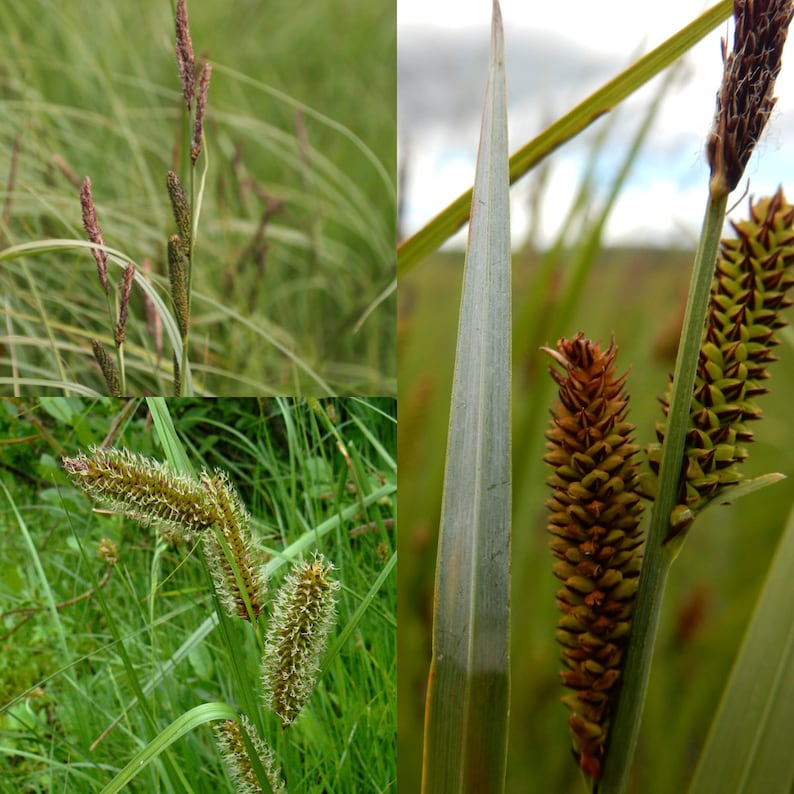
(292, 198)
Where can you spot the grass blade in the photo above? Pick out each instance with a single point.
(468, 691)
(189, 721)
(749, 744)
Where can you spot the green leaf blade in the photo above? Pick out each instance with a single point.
(748, 749)
(468, 693)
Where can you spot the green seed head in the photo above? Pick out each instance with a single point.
(236, 756)
(303, 616)
(751, 284)
(236, 570)
(146, 490)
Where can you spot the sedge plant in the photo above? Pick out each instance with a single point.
(279, 648)
(289, 202)
(612, 569)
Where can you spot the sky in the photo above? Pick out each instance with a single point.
(557, 54)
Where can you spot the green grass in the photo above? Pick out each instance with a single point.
(301, 110)
(714, 583)
(88, 683)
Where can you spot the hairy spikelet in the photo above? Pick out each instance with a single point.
(146, 490)
(751, 286)
(594, 516)
(236, 570)
(235, 753)
(303, 616)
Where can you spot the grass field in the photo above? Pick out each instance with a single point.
(294, 257)
(638, 296)
(100, 659)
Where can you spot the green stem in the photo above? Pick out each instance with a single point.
(122, 379)
(658, 557)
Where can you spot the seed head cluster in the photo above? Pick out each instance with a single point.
(303, 615)
(229, 737)
(594, 516)
(751, 286)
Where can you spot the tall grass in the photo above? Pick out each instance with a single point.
(294, 255)
(104, 662)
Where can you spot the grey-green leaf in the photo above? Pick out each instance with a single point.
(468, 690)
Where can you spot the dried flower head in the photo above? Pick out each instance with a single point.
(94, 233)
(236, 570)
(235, 753)
(108, 367)
(745, 100)
(594, 516)
(124, 301)
(749, 289)
(201, 107)
(303, 615)
(146, 490)
(184, 53)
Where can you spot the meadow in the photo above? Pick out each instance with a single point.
(117, 657)
(294, 194)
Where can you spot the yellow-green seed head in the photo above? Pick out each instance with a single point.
(751, 286)
(236, 756)
(231, 558)
(146, 490)
(303, 616)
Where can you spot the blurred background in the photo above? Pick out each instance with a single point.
(604, 235)
(555, 60)
(296, 239)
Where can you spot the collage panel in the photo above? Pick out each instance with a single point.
(198, 594)
(198, 198)
(595, 367)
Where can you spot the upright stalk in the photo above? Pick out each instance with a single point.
(658, 556)
(744, 104)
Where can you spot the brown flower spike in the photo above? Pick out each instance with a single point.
(594, 516)
(745, 101)
(94, 233)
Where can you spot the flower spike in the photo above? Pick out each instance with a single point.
(751, 286)
(303, 616)
(594, 516)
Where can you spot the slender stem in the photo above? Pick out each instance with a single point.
(658, 557)
(122, 378)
